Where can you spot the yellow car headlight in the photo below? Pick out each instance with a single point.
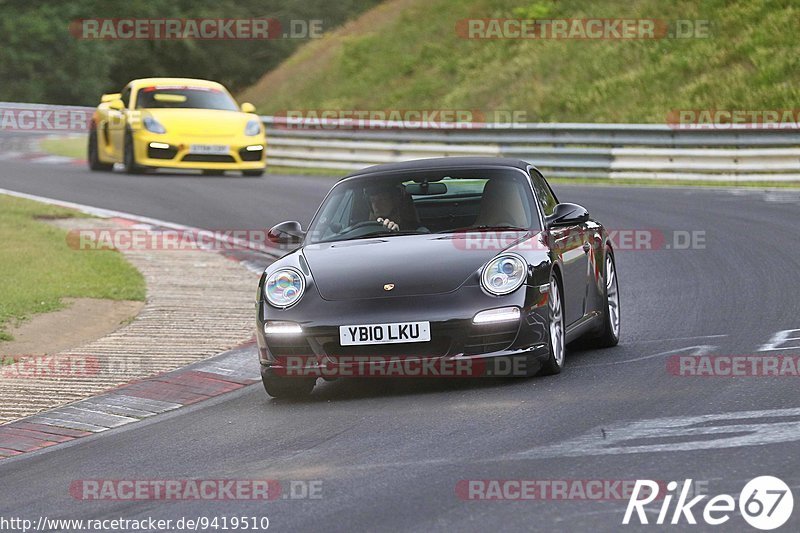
(154, 126)
(253, 128)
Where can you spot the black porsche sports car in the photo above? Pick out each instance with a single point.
(446, 266)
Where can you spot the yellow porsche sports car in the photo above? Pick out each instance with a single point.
(176, 123)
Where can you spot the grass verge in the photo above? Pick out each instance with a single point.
(74, 147)
(38, 268)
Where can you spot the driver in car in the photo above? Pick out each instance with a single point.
(392, 206)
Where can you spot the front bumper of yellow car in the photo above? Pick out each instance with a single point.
(200, 152)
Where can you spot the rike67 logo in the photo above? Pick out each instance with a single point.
(765, 503)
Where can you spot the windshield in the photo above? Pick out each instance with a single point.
(425, 202)
(158, 97)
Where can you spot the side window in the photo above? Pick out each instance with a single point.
(126, 96)
(336, 215)
(343, 214)
(544, 195)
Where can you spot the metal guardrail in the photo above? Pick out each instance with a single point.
(740, 152)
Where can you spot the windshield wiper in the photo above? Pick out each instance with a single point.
(485, 227)
(374, 234)
(387, 233)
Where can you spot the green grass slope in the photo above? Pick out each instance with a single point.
(38, 268)
(406, 54)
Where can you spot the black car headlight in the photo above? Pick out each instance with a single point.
(284, 287)
(504, 274)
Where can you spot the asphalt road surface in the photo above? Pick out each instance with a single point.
(390, 455)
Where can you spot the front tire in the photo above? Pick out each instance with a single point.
(129, 157)
(92, 154)
(290, 388)
(555, 360)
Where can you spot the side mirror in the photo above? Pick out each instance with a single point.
(247, 107)
(116, 105)
(567, 214)
(110, 97)
(290, 232)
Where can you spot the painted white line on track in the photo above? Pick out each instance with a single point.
(682, 339)
(110, 213)
(52, 159)
(679, 434)
(700, 349)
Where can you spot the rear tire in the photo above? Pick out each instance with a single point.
(290, 388)
(557, 348)
(129, 157)
(608, 334)
(253, 173)
(92, 154)
(212, 172)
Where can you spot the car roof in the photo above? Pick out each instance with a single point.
(436, 163)
(141, 82)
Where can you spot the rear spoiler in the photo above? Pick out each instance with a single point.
(109, 97)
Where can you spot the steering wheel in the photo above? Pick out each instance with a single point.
(364, 224)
